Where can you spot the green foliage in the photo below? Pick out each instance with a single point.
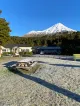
(4, 31)
(26, 54)
(7, 54)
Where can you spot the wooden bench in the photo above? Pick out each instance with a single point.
(76, 56)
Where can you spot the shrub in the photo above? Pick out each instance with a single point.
(25, 53)
(7, 54)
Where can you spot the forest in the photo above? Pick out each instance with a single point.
(69, 42)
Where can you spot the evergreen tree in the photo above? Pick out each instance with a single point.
(4, 31)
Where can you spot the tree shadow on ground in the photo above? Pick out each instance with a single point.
(8, 64)
(64, 65)
(46, 84)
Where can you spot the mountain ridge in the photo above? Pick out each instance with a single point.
(59, 27)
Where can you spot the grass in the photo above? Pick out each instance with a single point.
(8, 58)
(3, 69)
(4, 72)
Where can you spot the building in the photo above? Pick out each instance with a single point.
(47, 50)
(17, 49)
(3, 49)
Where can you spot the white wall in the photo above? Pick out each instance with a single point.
(25, 49)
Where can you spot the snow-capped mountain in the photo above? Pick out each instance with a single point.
(52, 30)
(58, 28)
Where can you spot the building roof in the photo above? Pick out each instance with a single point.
(54, 47)
(2, 47)
(14, 45)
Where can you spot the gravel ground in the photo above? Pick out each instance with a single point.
(55, 83)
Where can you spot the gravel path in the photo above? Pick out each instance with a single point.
(55, 83)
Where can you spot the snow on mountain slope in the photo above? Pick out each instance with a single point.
(52, 30)
(35, 32)
(58, 28)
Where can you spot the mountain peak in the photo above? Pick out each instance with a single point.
(59, 23)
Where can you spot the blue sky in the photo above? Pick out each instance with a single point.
(27, 15)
